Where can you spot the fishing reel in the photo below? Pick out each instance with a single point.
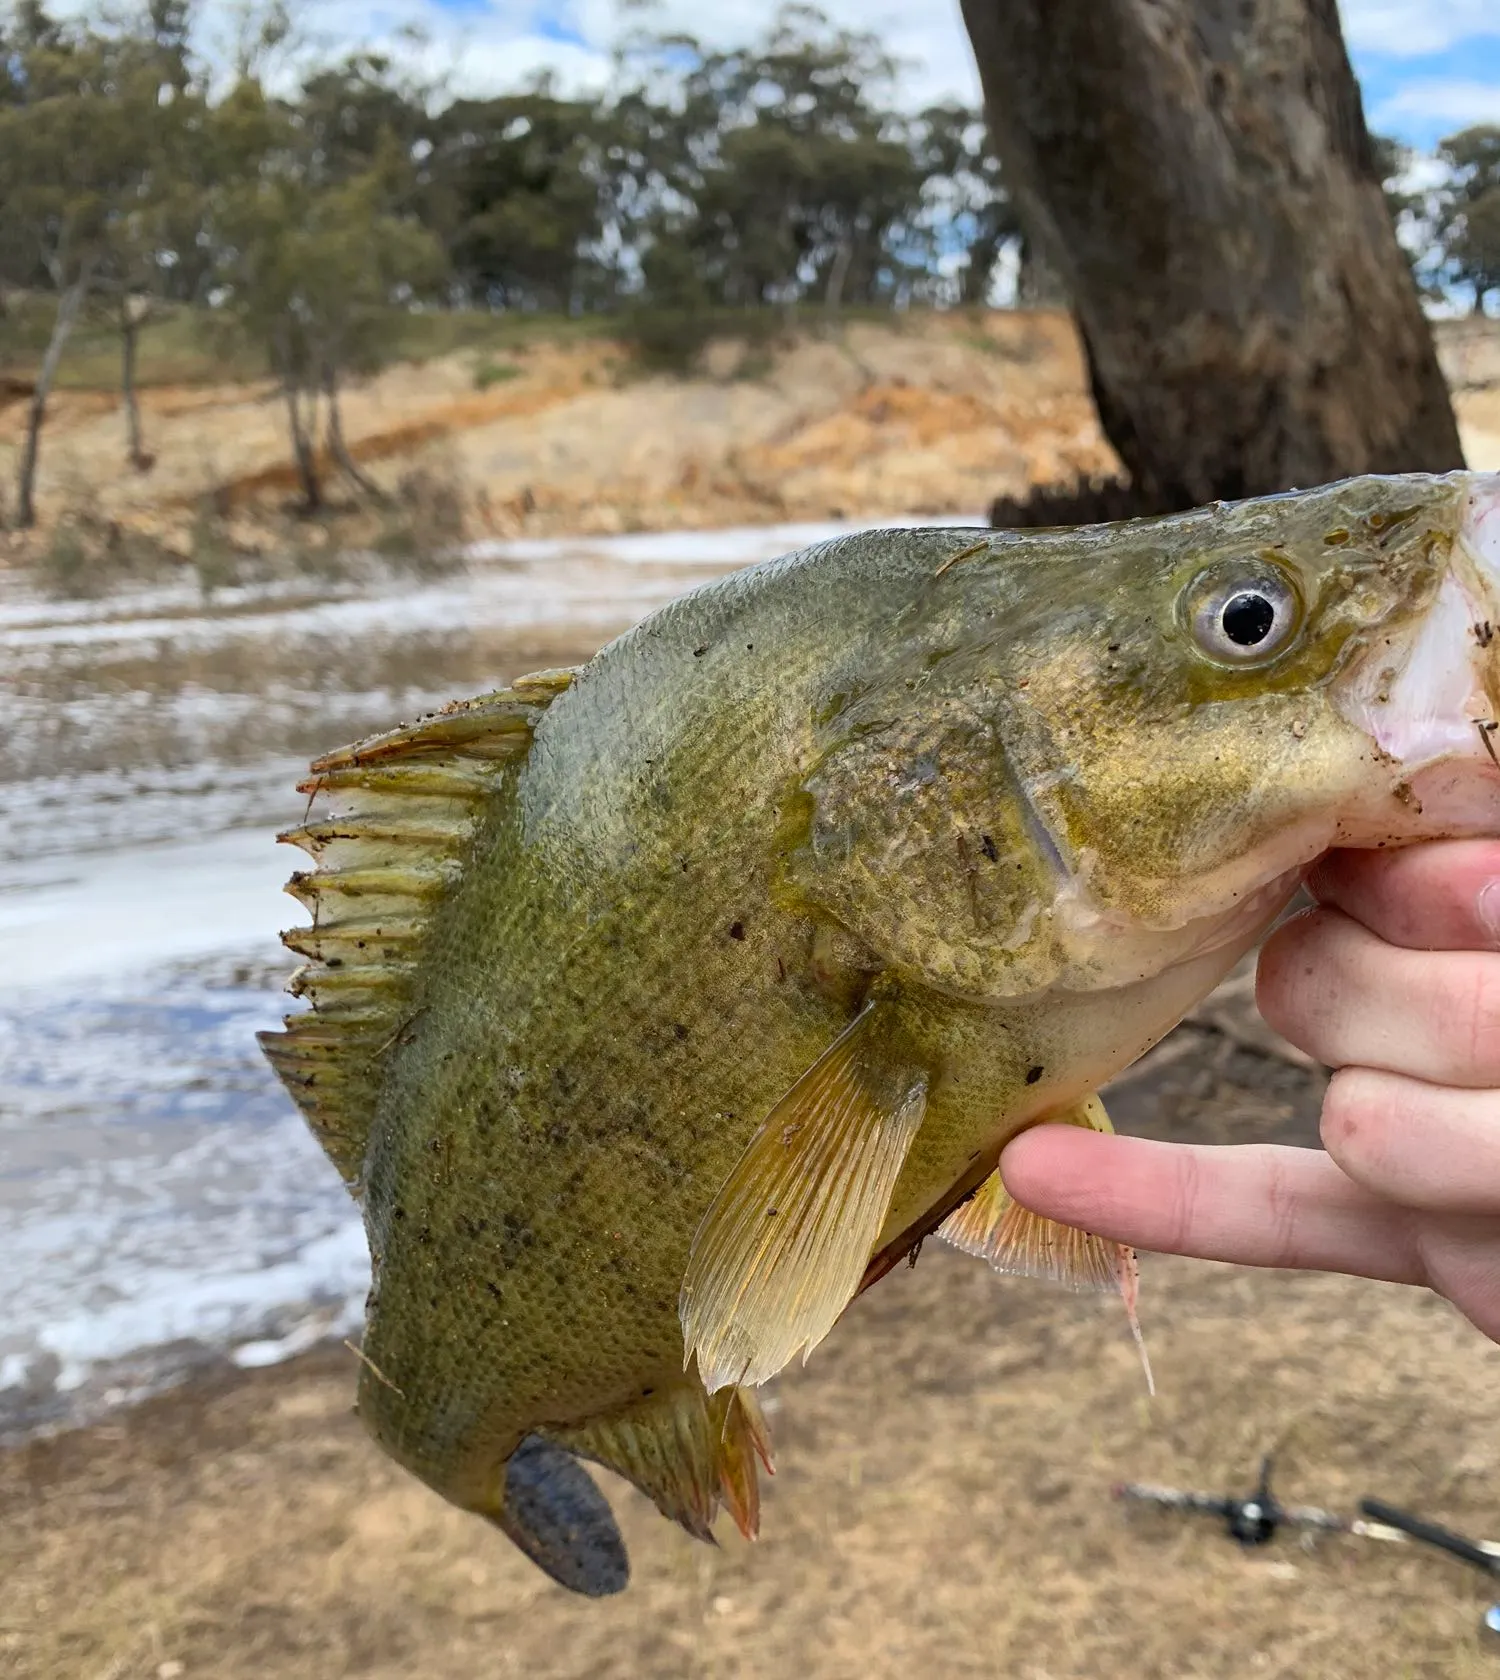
(1254, 1519)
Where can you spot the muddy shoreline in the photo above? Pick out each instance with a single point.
(942, 1497)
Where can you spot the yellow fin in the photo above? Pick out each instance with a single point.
(781, 1251)
(1013, 1239)
(688, 1451)
(404, 809)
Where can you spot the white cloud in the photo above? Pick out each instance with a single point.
(482, 46)
(1408, 28)
(927, 34)
(485, 48)
(1451, 102)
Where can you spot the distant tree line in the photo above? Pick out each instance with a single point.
(780, 174)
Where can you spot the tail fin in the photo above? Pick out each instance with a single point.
(562, 1522)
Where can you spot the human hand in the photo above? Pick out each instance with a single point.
(1394, 980)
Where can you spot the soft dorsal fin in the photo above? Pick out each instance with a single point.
(402, 810)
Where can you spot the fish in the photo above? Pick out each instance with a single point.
(658, 1007)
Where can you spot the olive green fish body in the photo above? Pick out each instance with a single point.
(761, 935)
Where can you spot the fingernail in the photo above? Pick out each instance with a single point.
(1489, 909)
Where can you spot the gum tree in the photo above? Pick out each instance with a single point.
(1200, 175)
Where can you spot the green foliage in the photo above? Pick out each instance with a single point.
(672, 340)
(64, 565)
(513, 187)
(321, 229)
(314, 245)
(1469, 216)
(488, 373)
(767, 173)
(215, 225)
(94, 125)
(86, 556)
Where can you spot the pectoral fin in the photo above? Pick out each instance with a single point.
(780, 1253)
(1013, 1239)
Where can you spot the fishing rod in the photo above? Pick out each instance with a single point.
(1253, 1519)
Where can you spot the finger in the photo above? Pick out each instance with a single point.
(1442, 896)
(1462, 1261)
(1346, 997)
(1425, 1146)
(1254, 1204)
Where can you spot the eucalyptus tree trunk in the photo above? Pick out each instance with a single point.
(1199, 174)
(69, 302)
(300, 397)
(133, 315)
(338, 446)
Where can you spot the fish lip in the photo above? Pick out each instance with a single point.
(1479, 545)
(1429, 697)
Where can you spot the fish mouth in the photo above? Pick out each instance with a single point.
(1429, 698)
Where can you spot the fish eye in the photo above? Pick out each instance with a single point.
(1245, 613)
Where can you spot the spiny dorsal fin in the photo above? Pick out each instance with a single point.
(403, 807)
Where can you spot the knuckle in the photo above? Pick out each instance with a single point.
(1282, 1206)
(1183, 1200)
(1469, 1015)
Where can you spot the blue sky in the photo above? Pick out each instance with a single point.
(1427, 66)
(1421, 96)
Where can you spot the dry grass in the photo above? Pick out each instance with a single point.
(943, 1503)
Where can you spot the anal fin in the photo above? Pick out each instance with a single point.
(688, 1451)
(993, 1227)
(781, 1251)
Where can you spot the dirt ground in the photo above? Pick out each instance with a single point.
(942, 1502)
(926, 413)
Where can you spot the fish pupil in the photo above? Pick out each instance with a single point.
(1248, 619)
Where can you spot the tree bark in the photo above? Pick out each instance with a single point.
(130, 328)
(338, 447)
(69, 302)
(1200, 175)
(838, 272)
(304, 456)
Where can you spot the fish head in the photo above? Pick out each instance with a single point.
(1117, 748)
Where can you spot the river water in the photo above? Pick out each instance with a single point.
(161, 1205)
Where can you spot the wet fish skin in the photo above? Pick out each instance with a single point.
(982, 801)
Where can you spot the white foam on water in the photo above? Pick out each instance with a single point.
(162, 1202)
(577, 581)
(108, 913)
